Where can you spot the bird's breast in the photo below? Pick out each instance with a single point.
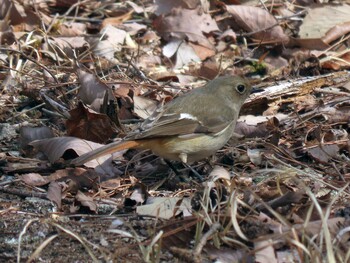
(195, 146)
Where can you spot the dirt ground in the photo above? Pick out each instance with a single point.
(26, 223)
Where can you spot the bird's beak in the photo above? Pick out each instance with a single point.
(256, 90)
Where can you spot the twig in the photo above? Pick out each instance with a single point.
(80, 239)
(214, 228)
(22, 193)
(20, 238)
(333, 92)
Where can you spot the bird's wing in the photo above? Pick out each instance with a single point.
(179, 124)
(186, 115)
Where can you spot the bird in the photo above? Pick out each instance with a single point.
(189, 128)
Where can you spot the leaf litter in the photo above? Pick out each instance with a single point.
(74, 77)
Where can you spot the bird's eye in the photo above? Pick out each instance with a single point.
(240, 88)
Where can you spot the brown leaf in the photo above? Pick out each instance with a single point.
(219, 173)
(22, 18)
(136, 28)
(7, 36)
(256, 126)
(305, 103)
(255, 19)
(144, 107)
(75, 178)
(336, 32)
(92, 90)
(113, 39)
(54, 193)
(87, 124)
(59, 48)
(251, 131)
(28, 134)
(229, 35)
(223, 254)
(34, 179)
(138, 196)
(309, 43)
(165, 6)
(14, 11)
(179, 233)
(321, 19)
(202, 52)
(276, 63)
(209, 69)
(313, 228)
(138, 9)
(116, 20)
(54, 148)
(336, 61)
(176, 24)
(324, 153)
(72, 29)
(165, 207)
(86, 201)
(148, 63)
(265, 252)
(111, 184)
(185, 53)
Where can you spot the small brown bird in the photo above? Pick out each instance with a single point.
(190, 127)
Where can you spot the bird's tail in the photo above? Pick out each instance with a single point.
(104, 150)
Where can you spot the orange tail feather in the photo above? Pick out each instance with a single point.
(104, 150)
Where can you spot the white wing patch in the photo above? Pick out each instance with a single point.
(187, 116)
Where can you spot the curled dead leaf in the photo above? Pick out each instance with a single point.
(54, 148)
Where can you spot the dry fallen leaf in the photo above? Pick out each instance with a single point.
(321, 19)
(144, 107)
(28, 134)
(138, 196)
(176, 25)
(117, 20)
(59, 48)
(336, 60)
(87, 124)
(22, 19)
(92, 91)
(110, 43)
(258, 21)
(324, 153)
(185, 53)
(265, 252)
(165, 207)
(34, 179)
(54, 148)
(72, 29)
(165, 6)
(86, 201)
(54, 193)
(7, 36)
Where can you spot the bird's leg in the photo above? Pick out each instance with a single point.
(183, 157)
(194, 172)
(172, 167)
